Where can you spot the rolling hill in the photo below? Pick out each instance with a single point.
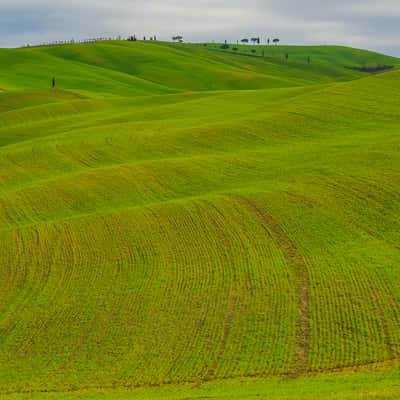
(178, 221)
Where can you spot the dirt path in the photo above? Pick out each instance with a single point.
(299, 270)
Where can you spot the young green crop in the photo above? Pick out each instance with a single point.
(160, 227)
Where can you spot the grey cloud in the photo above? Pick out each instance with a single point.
(360, 23)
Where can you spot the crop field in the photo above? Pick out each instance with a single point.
(182, 222)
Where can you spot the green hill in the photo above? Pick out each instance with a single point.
(123, 68)
(211, 223)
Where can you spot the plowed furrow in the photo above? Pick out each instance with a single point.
(300, 275)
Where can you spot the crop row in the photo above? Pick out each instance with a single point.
(183, 292)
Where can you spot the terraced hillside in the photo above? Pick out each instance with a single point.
(172, 215)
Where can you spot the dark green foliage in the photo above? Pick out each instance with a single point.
(373, 68)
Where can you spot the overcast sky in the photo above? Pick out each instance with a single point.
(368, 24)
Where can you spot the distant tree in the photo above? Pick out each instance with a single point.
(53, 82)
(177, 38)
(235, 48)
(245, 40)
(225, 46)
(205, 44)
(144, 37)
(154, 37)
(276, 41)
(268, 41)
(134, 38)
(254, 40)
(287, 56)
(253, 51)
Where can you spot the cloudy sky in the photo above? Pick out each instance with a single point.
(366, 24)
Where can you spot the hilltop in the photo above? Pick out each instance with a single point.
(143, 68)
(212, 223)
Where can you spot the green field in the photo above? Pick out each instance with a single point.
(183, 222)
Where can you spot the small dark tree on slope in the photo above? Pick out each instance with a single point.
(225, 46)
(276, 41)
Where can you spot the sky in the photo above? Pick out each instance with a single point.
(367, 24)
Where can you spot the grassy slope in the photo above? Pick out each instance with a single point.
(378, 385)
(195, 235)
(121, 68)
(322, 57)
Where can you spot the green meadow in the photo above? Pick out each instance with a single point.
(181, 221)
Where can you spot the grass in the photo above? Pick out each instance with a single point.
(213, 224)
(318, 58)
(379, 385)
